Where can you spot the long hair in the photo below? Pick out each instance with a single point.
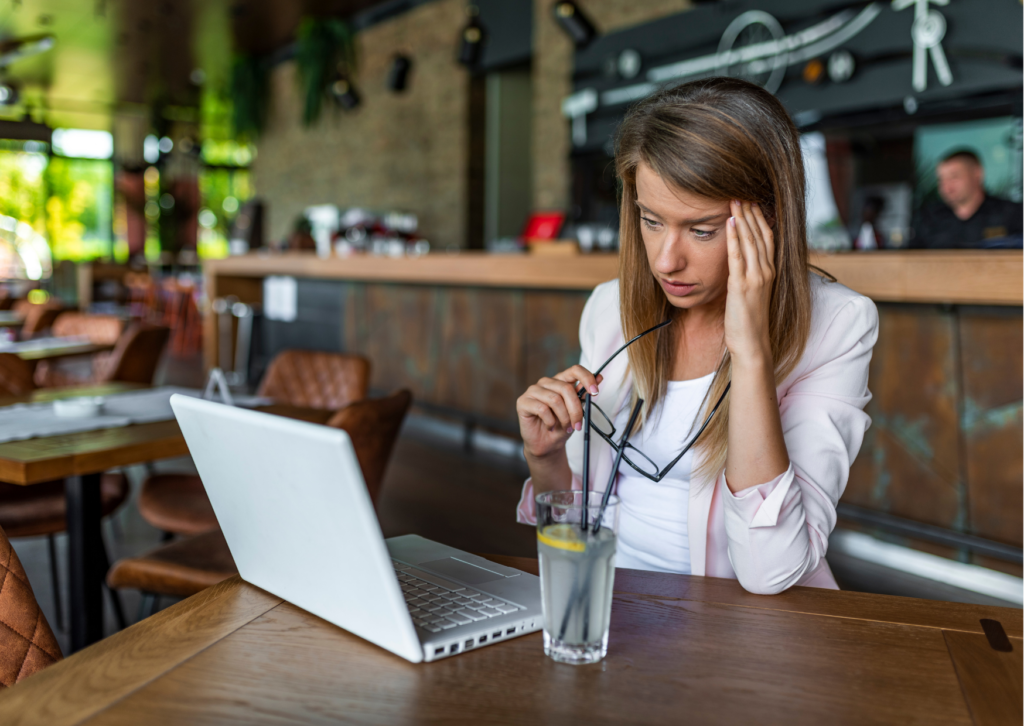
(723, 139)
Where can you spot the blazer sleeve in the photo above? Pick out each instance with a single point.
(778, 532)
(526, 512)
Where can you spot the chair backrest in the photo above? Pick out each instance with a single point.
(315, 379)
(102, 329)
(373, 426)
(38, 316)
(15, 376)
(136, 355)
(27, 644)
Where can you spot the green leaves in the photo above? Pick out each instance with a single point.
(324, 52)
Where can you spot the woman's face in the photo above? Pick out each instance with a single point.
(684, 236)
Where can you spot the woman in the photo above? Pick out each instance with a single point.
(713, 240)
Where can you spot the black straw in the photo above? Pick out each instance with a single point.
(586, 463)
(618, 460)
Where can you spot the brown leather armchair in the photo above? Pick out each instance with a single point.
(100, 329)
(315, 379)
(134, 359)
(177, 503)
(27, 644)
(187, 566)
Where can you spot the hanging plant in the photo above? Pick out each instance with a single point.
(249, 96)
(324, 52)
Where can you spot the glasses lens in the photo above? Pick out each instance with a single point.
(639, 461)
(600, 421)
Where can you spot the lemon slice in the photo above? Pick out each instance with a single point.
(563, 537)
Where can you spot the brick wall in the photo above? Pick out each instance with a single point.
(396, 151)
(552, 81)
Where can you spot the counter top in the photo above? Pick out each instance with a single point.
(967, 277)
(980, 277)
(570, 272)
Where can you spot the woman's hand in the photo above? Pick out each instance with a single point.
(751, 246)
(550, 410)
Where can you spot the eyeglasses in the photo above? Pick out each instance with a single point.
(601, 423)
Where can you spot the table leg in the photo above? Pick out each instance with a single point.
(85, 559)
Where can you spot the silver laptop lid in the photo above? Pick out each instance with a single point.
(297, 517)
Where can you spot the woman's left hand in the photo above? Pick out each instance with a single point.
(751, 250)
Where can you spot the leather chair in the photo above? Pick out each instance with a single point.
(100, 329)
(177, 503)
(15, 376)
(134, 359)
(38, 316)
(27, 644)
(41, 509)
(187, 566)
(315, 379)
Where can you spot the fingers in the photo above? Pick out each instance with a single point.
(581, 376)
(528, 407)
(767, 235)
(559, 397)
(753, 244)
(737, 265)
(755, 234)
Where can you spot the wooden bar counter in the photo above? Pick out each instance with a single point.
(467, 333)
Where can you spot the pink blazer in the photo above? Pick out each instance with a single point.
(774, 535)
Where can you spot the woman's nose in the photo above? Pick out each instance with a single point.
(670, 257)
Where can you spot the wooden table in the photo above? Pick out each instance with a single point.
(683, 650)
(10, 319)
(63, 351)
(80, 459)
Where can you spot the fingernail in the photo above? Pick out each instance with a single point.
(578, 425)
(593, 390)
(732, 221)
(755, 205)
(569, 430)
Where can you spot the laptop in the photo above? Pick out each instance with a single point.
(291, 500)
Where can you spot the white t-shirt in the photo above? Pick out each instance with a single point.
(653, 532)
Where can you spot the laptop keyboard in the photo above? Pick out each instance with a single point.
(437, 604)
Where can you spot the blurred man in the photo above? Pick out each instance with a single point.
(967, 216)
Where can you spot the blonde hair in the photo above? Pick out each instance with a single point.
(723, 139)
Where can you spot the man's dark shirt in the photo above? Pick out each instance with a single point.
(936, 227)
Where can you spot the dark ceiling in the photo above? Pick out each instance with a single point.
(112, 53)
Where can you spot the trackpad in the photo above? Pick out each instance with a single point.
(462, 571)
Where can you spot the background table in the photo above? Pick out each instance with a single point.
(683, 650)
(80, 459)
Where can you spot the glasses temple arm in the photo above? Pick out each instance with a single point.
(626, 345)
(699, 431)
(618, 460)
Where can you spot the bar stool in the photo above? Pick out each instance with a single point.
(177, 503)
(187, 566)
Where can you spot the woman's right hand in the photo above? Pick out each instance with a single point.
(550, 410)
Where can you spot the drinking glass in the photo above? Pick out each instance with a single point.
(577, 572)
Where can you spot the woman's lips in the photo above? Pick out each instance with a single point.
(676, 288)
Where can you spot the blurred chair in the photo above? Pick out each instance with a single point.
(38, 316)
(15, 376)
(99, 329)
(181, 315)
(187, 566)
(27, 644)
(177, 503)
(136, 355)
(315, 379)
(134, 360)
(143, 296)
(41, 509)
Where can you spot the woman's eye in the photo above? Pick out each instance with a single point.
(650, 223)
(703, 233)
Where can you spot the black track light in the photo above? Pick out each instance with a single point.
(575, 24)
(472, 41)
(398, 74)
(345, 94)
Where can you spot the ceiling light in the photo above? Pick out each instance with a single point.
(575, 24)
